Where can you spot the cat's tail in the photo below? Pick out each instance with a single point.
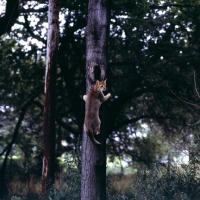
(91, 135)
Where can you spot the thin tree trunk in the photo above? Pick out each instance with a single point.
(8, 149)
(93, 183)
(49, 100)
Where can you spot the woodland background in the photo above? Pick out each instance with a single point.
(153, 78)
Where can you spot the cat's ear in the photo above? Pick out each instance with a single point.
(105, 81)
(97, 82)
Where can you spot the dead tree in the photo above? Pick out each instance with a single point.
(49, 99)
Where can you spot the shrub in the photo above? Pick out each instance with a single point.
(174, 182)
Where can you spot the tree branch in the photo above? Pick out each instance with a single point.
(4, 150)
(118, 104)
(195, 85)
(133, 120)
(10, 145)
(164, 6)
(38, 104)
(67, 127)
(45, 9)
(11, 14)
(27, 26)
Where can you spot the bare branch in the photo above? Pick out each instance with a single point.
(195, 85)
(193, 111)
(186, 102)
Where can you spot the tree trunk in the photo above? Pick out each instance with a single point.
(49, 99)
(3, 186)
(93, 183)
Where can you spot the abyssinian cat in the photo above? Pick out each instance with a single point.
(93, 100)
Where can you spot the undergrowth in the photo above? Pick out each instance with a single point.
(172, 181)
(69, 187)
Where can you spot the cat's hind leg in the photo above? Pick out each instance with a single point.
(98, 128)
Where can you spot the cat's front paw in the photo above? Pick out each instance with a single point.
(84, 97)
(109, 95)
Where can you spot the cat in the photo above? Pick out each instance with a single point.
(93, 100)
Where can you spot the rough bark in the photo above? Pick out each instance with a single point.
(93, 183)
(49, 101)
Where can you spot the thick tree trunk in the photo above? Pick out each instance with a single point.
(93, 183)
(49, 101)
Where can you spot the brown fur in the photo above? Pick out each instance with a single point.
(93, 100)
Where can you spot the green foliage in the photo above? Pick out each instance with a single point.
(21, 80)
(170, 182)
(152, 53)
(69, 186)
(174, 183)
(162, 182)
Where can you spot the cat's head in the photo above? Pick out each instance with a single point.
(100, 85)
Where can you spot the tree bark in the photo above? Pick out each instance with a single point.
(93, 183)
(49, 99)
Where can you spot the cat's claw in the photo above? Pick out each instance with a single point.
(98, 132)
